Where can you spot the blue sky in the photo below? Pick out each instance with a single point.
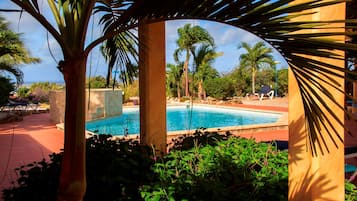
(227, 39)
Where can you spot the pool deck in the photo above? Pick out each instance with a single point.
(36, 137)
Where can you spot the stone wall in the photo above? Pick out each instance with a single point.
(103, 103)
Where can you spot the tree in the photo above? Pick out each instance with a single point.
(265, 77)
(12, 52)
(256, 57)
(241, 80)
(70, 31)
(174, 77)
(96, 82)
(219, 87)
(203, 58)
(282, 82)
(188, 38)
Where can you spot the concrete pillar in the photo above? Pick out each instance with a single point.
(314, 178)
(152, 81)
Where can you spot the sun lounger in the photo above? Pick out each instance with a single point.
(265, 91)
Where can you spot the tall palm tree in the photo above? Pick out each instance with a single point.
(256, 57)
(71, 19)
(270, 20)
(203, 58)
(188, 38)
(174, 77)
(12, 52)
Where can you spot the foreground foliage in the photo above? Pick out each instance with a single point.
(205, 166)
(115, 170)
(235, 169)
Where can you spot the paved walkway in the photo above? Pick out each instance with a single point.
(31, 140)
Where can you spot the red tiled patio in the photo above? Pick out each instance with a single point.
(26, 141)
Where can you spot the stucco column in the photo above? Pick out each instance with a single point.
(152, 81)
(315, 178)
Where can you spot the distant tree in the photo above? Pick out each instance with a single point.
(265, 76)
(96, 82)
(283, 82)
(203, 58)
(220, 87)
(39, 91)
(255, 58)
(130, 90)
(241, 80)
(12, 52)
(188, 38)
(174, 78)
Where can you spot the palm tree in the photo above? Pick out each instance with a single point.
(173, 78)
(203, 58)
(12, 52)
(188, 38)
(70, 31)
(257, 57)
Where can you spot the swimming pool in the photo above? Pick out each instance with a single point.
(183, 118)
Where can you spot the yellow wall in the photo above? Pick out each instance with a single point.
(321, 177)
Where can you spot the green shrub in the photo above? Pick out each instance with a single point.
(205, 166)
(130, 90)
(39, 91)
(23, 92)
(200, 138)
(115, 170)
(220, 88)
(96, 82)
(37, 181)
(234, 169)
(350, 192)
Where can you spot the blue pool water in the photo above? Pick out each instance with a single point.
(182, 118)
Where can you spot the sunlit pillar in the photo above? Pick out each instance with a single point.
(321, 177)
(152, 90)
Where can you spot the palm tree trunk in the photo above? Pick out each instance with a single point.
(200, 89)
(178, 91)
(186, 72)
(72, 177)
(253, 80)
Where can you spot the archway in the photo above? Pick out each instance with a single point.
(315, 181)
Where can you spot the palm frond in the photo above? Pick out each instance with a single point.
(121, 53)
